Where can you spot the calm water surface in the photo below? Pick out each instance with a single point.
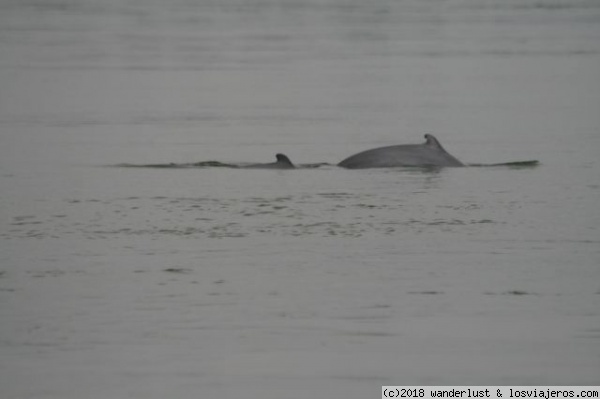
(317, 282)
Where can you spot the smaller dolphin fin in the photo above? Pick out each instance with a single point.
(283, 159)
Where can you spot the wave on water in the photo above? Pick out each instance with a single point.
(172, 165)
(211, 164)
(512, 165)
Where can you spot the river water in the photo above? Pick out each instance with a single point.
(200, 281)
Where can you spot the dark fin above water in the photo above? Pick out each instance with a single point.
(283, 160)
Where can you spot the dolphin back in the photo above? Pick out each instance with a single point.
(431, 153)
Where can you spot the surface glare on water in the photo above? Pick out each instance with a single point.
(188, 278)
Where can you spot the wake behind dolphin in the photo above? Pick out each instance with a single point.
(430, 153)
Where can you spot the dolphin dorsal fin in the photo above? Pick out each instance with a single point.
(432, 141)
(283, 159)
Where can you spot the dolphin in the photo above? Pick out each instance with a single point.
(283, 162)
(431, 153)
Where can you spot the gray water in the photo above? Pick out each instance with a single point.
(319, 282)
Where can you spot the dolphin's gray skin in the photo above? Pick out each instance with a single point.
(283, 162)
(430, 153)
